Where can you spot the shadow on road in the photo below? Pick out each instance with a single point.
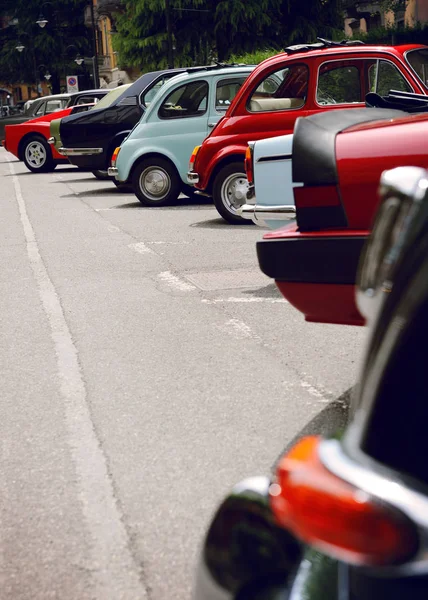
(269, 291)
(220, 224)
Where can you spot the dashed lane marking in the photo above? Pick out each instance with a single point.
(141, 248)
(244, 300)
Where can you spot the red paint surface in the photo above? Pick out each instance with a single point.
(41, 126)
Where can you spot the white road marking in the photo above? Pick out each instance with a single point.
(170, 243)
(141, 248)
(175, 282)
(113, 568)
(244, 300)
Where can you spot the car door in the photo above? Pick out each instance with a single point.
(181, 122)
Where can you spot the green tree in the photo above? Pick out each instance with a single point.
(47, 46)
(305, 21)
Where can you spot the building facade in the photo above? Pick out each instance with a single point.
(362, 16)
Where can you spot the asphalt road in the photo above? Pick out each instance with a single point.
(147, 365)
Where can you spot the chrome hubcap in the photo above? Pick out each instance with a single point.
(35, 154)
(155, 183)
(234, 191)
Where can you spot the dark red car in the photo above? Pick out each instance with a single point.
(337, 160)
(302, 81)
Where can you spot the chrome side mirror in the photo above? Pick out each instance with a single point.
(244, 547)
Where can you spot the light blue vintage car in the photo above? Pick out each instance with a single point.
(154, 158)
(270, 200)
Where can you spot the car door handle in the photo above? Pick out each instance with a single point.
(212, 125)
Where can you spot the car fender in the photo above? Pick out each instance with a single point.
(117, 140)
(222, 157)
(132, 153)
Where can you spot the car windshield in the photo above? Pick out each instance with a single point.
(418, 60)
(111, 97)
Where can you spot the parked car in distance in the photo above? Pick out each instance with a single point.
(345, 516)
(303, 80)
(29, 141)
(154, 157)
(45, 105)
(338, 159)
(89, 140)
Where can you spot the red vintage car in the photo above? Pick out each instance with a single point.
(28, 141)
(302, 81)
(337, 163)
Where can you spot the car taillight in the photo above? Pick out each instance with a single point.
(335, 516)
(249, 166)
(193, 157)
(114, 156)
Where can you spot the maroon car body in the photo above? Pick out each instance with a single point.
(314, 260)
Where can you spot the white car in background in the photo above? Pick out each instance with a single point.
(270, 198)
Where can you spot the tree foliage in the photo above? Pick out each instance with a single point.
(45, 49)
(208, 29)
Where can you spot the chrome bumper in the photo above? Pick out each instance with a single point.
(192, 177)
(113, 171)
(51, 141)
(79, 151)
(259, 214)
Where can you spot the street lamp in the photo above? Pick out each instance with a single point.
(20, 47)
(41, 21)
(79, 60)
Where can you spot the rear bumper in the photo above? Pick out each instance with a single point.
(259, 214)
(315, 272)
(113, 171)
(79, 151)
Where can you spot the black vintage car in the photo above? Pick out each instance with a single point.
(88, 140)
(346, 517)
(49, 104)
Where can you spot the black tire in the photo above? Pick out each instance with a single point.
(229, 178)
(101, 175)
(122, 186)
(37, 155)
(156, 182)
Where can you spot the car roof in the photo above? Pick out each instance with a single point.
(198, 72)
(308, 50)
(145, 80)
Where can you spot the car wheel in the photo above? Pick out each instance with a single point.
(230, 192)
(101, 175)
(37, 155)
(155, 182)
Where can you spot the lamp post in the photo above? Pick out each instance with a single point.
(94, 47)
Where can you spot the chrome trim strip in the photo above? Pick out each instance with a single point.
(275, 158)
(192, 177)
(79, 151)
(282, 211)
(393, 493)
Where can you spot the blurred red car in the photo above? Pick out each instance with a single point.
(29, 141)
(337, 163)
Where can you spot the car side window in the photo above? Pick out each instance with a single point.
(284, 89)
(41, 109)
(338, 84)
(87, 100)
(52, 106)
(188, 100)
(384, 77)
(147, 97)
(226, 92)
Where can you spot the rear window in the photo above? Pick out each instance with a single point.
(418, 60)
(109, 98)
